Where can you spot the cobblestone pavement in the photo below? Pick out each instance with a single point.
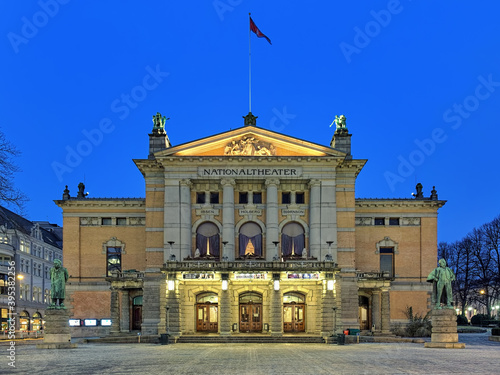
(479, 357)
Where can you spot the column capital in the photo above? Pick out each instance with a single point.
(314, 182)
(186, 182)
(273, 181)
(228, 181)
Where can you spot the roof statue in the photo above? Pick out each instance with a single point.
(250, 119)
(159, 123)
(340, 123)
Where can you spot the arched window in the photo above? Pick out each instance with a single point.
(208, 240)
(250, 240)
(207, 298)
(292, 240)
(37, 321)
(250, 297)
(24, 321)
(293, 297)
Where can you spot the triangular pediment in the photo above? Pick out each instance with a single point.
(250, 141)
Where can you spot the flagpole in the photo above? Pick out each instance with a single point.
(249, 67)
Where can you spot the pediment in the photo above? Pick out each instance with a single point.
(250, 141)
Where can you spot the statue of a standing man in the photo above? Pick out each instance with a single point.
(443, 276)
(58, 277)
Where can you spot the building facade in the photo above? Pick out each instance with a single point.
(248, 231)
(27, 252)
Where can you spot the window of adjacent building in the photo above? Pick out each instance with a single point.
(214, 197)
(4, 283)
(106, 221)
(200, 197)
(114, 259)
(286, 198)
(121, 221)
(46, 296)
(39, 270)
(243, 197)
(24, 246)
(387, 260)
(4, 260)
(300, 198)
(4, 239)
(394, 221)
(26, 292)
(379, 221)
(257, 197)
(46, 273)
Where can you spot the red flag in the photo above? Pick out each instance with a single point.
(255, 29)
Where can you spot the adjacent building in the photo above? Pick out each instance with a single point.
(27, 252)
(247, 231)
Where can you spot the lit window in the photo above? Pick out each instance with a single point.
(114, 259)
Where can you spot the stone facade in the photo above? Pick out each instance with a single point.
(249, 231)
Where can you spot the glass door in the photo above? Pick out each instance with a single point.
(251, 317)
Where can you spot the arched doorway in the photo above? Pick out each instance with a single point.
(24, 321)
(250, 241)
(292, 241)
(207, 308)
(294, 311)
(364, 312)
(37, 322)
(207, 241)
(250, 312)
(137, 313)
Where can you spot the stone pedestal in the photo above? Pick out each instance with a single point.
(444, 330)
(57, 332)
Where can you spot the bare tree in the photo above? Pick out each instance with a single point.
(9, 194)
(482, 270)
(460, 259)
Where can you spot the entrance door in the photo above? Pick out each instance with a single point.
(251, 317)
(364, 313)
(137, 313)
(206, 317)
(293, 317)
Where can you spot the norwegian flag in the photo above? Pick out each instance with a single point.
(255, 29)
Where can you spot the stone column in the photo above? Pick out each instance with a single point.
(151, 302)
(328, 313)
(315, 219)
(376, 316)
(349, 301)
(385, 312)
(171, 311)
(125, 311)
(225, 314)
(115, 312)
(271, 217)
(228, 216)
(276, 314)
(185, 219)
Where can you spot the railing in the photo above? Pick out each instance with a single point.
(373, 275)
(256, 265)
(133, 274)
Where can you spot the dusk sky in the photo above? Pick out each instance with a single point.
(418, 82)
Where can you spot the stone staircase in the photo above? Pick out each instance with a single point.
(244, 339)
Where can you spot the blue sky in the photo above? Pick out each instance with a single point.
(418, 82)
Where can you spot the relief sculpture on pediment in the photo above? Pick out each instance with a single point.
(249, 146)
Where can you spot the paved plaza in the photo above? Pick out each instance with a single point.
(479, 357)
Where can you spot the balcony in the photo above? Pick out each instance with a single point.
(253, 265)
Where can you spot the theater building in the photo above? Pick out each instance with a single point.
(248, 231)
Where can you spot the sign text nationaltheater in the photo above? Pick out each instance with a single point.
(249, 171)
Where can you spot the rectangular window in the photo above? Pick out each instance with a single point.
(106, 221)
(243, 198)
(4, 260)
(257, 197)
(379, 221)
(300, 198)
(4, 283)
(121, 221)
(214, 197)
(394, 221)
(387, 260)
(286, 198)
(114, 257)
(200, 197)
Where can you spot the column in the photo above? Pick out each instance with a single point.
(376, 315)
(185, 219)
(329, 315)
(151, 302)
(115, 312)
(276, 315)
(125, 311)
(271, 217)
(228, 216)
(172, 224)
(172, 311)
(315, 219)
(225, 314)
(385, 311)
